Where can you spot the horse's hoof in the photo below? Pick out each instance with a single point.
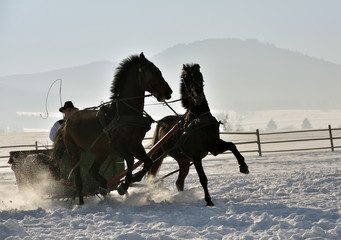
(209, 204)
(121, 190)
(244, 170)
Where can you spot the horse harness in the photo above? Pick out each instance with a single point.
(189, 127)
(110, 124)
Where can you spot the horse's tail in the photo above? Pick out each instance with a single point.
(157, 157)
(58, 145)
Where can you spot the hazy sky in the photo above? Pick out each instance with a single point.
(41, 35)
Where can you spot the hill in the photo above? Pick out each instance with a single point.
(239, 75)
(251, 75)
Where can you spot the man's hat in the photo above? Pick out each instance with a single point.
(67, 104)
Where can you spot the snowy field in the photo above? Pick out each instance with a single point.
(285, 196)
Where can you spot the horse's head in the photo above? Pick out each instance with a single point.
(151, 80)
(192, 84)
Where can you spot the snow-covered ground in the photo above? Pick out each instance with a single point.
(286, 196)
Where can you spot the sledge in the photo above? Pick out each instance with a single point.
(33, 171)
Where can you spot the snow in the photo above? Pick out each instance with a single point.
(285, 196)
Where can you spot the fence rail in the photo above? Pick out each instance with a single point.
(34, 146)
(256, 145)
(260, 142)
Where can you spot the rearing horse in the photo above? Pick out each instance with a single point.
(199, 135)
(117, 128)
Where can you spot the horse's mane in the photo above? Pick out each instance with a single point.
(183, 91)
(119, 77)
(191, 66)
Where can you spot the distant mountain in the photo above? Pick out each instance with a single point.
(239, 75)
(250, 75)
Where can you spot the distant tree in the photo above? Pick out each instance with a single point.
(224, 119)
(229, 123)
(306, 124)
(272, 126)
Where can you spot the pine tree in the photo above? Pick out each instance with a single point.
(272, 126)
(306, 124)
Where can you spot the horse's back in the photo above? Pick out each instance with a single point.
(83, 128)
(82, 122)
(165, 124)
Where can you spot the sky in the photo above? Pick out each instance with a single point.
(44, 35)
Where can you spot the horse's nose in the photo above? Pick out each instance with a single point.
(169, 93)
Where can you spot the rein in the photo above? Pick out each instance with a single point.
(198, 116)
(190, 89)
(116, 100)
(136, 110)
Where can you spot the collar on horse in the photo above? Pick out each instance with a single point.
(200, 121)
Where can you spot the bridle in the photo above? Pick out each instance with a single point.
(141, 78)
(196, 98)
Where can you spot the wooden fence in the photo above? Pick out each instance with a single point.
(256, 142)
(314, 139)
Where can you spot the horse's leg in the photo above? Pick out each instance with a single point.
(94, 171)
(157, 162)
(75, 157)
(183, 172)
(122, 189)
(224, 146)
(203, 180)
(147, 164)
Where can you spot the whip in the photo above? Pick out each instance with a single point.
(47, 96)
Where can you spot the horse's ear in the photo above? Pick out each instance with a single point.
(142, 56)
(184, 67)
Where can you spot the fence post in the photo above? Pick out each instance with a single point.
(258, 142)
(331, 137)
(36, 145)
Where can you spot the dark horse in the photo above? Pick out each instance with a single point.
(198, 136)
(117, 128)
